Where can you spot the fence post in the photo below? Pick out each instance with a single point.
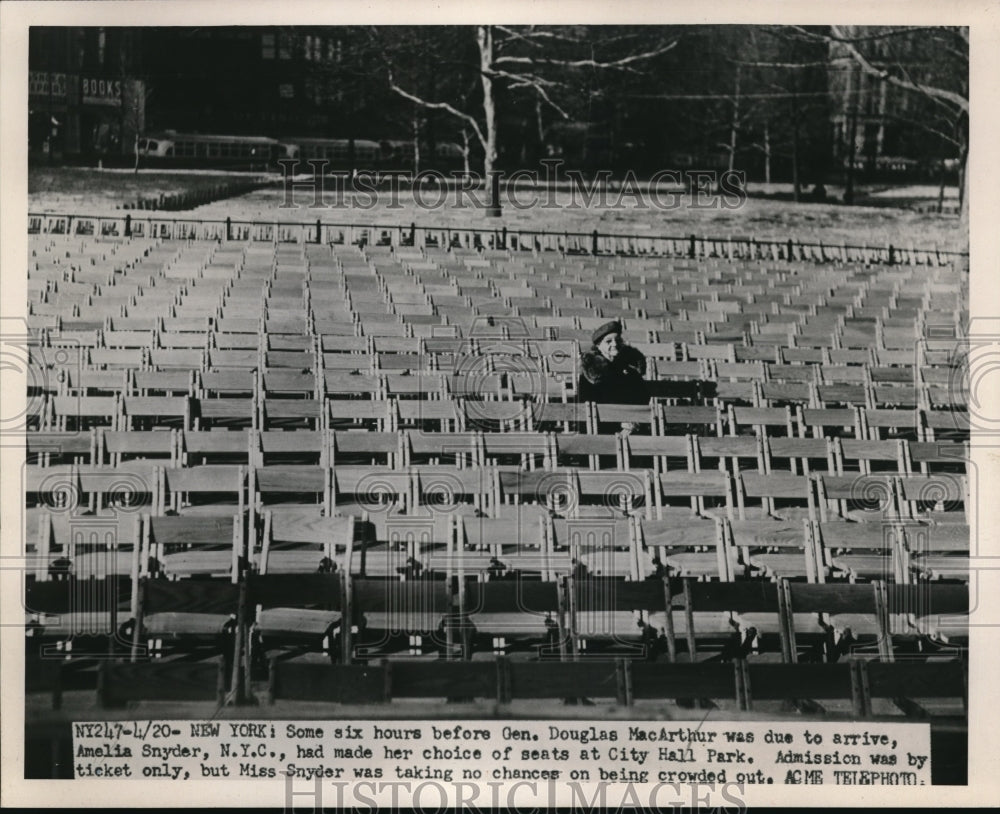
(229, 228)
(691, 248)
(593, 242)
(789, 257)
(892, 255)
(319, 231)
(503, 238)
(128, 226)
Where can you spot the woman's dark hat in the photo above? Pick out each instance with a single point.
(614, 327)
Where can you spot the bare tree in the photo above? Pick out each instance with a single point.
(929, 63)
(540, 61)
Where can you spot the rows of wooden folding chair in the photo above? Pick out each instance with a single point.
(870, 609)
(814, 622)
(136, 412)
(72, 488)
(781, 377)
(97, 546)
(624, 681)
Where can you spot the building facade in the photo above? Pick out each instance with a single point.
(84, 96)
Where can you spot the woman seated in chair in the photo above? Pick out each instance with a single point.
(612, 372)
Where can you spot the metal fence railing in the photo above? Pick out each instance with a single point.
(515, 240)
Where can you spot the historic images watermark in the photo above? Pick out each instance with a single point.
(504, 795)
(551, 188)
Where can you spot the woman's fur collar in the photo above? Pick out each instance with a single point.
(594, 365)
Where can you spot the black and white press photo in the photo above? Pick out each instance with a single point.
(496, 412)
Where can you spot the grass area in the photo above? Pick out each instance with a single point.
(765, 218)
(55, 188)
(761, 218)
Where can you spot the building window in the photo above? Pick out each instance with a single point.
(316, 91)
(308, 50)
(286, 90)
(267, 46)
(284, 47)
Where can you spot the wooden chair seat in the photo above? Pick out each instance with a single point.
(66, 625)
(608, 624)
(769, 624)
(383, 561)
(860, 624)
(776, 566)
(608, 563)
(942, 566)
(101, 563)
(198, 562)
(413, 621)
(296, 621)
(707, 625)
(863, 566)
(509, 624)
(294, 561)
(698, 563)
(179, 623)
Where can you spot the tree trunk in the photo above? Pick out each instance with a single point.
(796, 185)
(416, 146)
(852, 141)
(135, 148)
(465, 150)
(734, 124)
(767, 153)
(963, 198)
(484, 37)
(941, 185)
(795, 160)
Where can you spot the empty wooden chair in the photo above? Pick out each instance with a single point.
(118, 446)
(713, 452)
(777, 549)
(297, 614)
(214, 489)
(860, 551)
(186, 616)
(859, 497)
(79, 413)
(194, 546)
(804, 453)
(673, 488)
(830, 423)
(940, 498)
(121, 684)
(53, 448)
(303, 540)
(698, 548)
(861, 454)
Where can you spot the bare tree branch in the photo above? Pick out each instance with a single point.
(931, 92)
(949, 137)
(439, 106)
(525, 80)
(793, 65)
(533, 34)
(618, 64)
(896, 31)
